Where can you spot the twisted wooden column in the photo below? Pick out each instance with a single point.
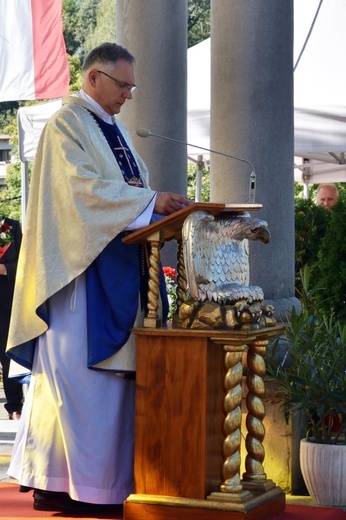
(181, 278)
(152, 319)
(256, 412)
(232, 422)
(231, 489)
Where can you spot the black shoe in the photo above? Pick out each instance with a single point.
(25, 489)
(63, 503)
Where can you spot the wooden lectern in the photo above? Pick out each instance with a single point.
(188, 407)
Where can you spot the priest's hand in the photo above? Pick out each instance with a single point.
(168, 202)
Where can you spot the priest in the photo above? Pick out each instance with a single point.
(78, 293)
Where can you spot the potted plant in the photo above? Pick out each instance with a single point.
(312, 376)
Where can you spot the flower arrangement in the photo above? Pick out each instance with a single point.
(171, 287)
(6, 236)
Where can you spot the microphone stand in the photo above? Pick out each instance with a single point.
(144, 132)
(199, 170)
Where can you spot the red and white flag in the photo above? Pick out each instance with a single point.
(33, 60)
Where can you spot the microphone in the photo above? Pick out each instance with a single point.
(144, 132)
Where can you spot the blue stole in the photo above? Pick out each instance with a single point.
(121, 151)
(118, 275)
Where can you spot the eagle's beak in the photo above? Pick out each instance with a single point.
(264, 235)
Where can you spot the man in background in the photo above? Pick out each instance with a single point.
(327, 195)
(12, 236)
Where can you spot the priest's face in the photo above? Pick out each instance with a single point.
(112, 85)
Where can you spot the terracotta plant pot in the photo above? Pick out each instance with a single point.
(323, 468)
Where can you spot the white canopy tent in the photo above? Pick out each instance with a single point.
(319, 98)
(319, 92)
(31, 121)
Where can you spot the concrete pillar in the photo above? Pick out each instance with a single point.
(252, 117)
(155, 32)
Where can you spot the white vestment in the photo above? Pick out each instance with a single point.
(76, 433)
(85, 448)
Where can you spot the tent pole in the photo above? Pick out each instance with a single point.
(199, 170)
(24, 169)
(306, 190)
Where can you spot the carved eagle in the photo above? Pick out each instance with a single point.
(216, 256)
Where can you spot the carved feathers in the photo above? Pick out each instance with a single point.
(217, 258)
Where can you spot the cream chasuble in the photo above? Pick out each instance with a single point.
(78, 202)
(77, 429)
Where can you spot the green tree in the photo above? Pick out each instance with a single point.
(331, 265)
(311, 222)
(10, 196)
(104, 29)
(191, 183)
(69, 22)
(79, 19)
(198, 21)
(8, 110)
(75, 68)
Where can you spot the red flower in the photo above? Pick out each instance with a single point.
(334, 420)
(5, 234)
(4, 227)
(169, 271)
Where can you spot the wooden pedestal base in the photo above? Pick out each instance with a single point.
(188, 427)
(154, 507)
